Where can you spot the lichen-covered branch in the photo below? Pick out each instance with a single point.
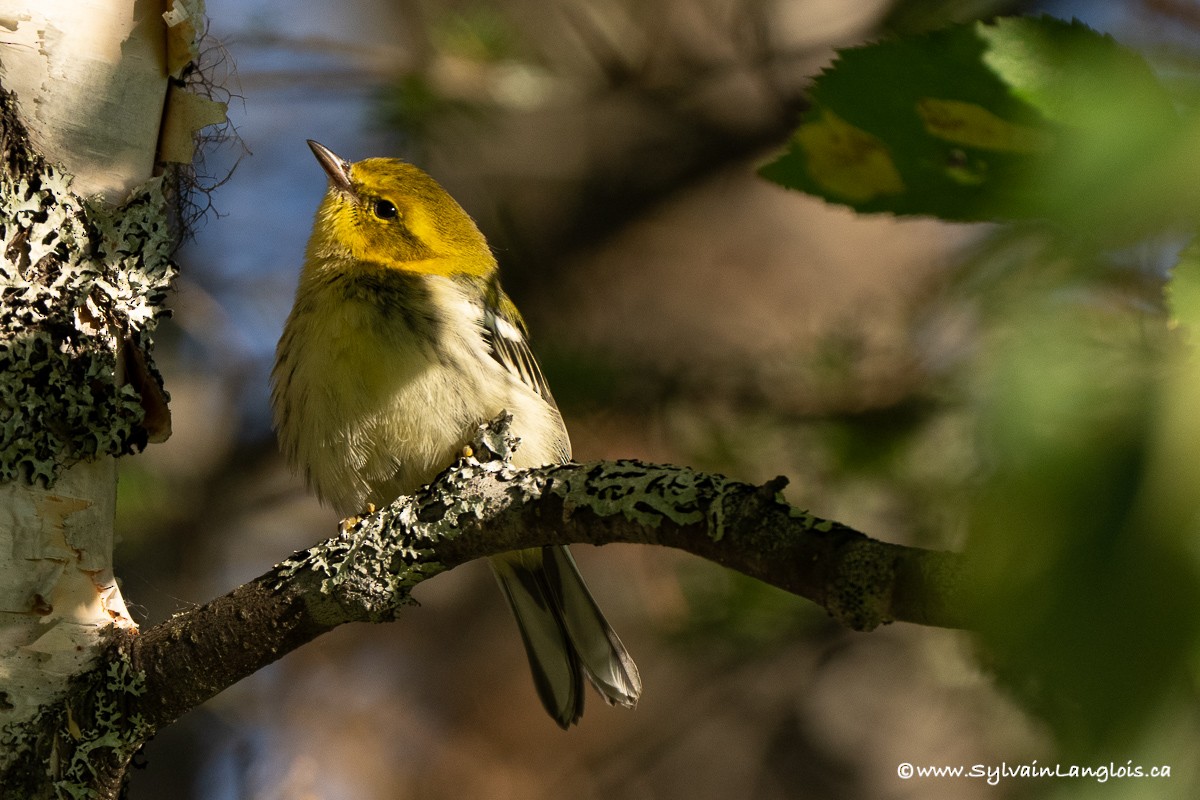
(477, 509)
(480, 506)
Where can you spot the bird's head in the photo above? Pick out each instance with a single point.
(383, 212)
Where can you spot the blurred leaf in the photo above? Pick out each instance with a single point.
(1173, 502)
(1183, 291)
(479, 32)
(459, 79)
(414, 104)
(873, 440)
(1088, 594)
(1021, 118)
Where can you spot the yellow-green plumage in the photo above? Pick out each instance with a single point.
(400, 343)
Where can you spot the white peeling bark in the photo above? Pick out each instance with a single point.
(90, 79)
(57, 592)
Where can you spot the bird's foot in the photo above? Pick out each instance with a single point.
(348, 523)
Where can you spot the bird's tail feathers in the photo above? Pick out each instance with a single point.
(566, 636)
(606, 662)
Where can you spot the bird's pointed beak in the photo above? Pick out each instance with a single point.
(336, 167)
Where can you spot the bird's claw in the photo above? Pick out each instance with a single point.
(346, 525)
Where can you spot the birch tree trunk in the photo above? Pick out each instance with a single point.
(86, 242)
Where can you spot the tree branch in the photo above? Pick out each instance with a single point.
(476, 509)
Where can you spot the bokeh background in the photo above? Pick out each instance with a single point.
(683, 309)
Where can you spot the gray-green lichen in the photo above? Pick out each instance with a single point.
(366, 570)
(369, 570)
(91, 728)
(78, 283)
(372, 569)
(864, 569)
(646, 494)
(113, 729)
(807, 519)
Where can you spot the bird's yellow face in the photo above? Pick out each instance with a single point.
(383, 212)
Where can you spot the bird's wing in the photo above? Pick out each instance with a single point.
(506, 338)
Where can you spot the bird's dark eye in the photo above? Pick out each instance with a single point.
(385, 209)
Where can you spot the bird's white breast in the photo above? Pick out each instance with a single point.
(375, 409)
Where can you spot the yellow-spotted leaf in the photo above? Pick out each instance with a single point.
(983, 121)
(847, 161)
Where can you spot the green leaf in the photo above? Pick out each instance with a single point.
(1183, 292)
(1086, 585)
(1021, 118)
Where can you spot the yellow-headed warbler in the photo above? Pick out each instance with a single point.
(400, 343)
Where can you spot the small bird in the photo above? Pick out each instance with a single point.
(399, 344)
